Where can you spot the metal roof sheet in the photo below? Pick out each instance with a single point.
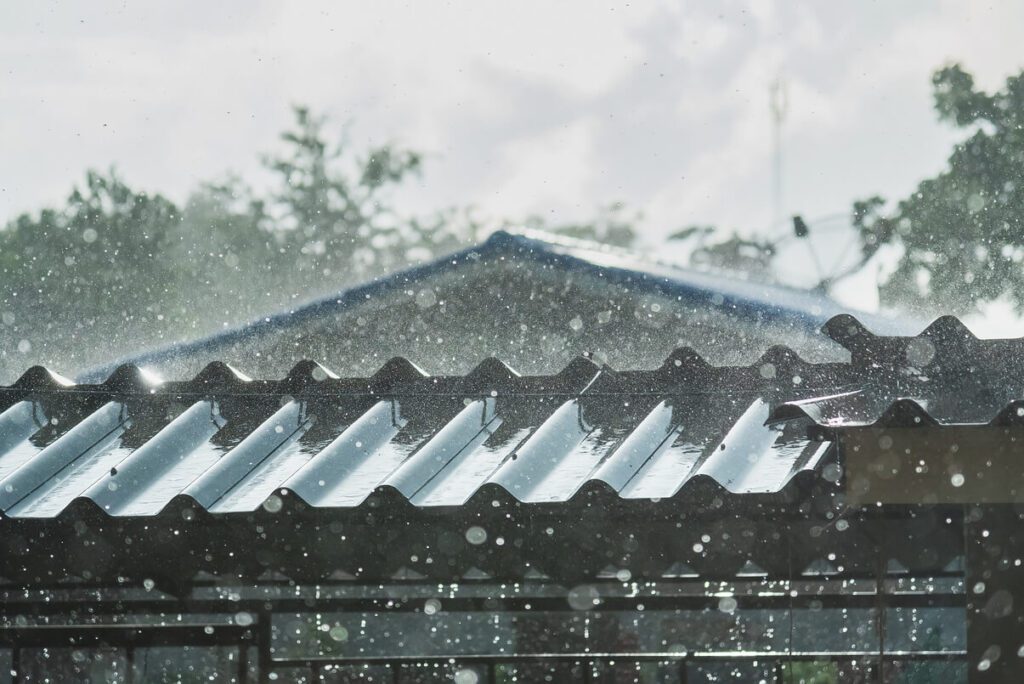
(131, 446)
(799, 310)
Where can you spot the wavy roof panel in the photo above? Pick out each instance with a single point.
(131, 445)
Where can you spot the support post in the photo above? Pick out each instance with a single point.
(994, 555)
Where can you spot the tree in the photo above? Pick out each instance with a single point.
(962, 232)
(334, 210)
(612, 225)
(86, 258)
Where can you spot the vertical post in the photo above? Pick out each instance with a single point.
(787, 668)
(880, 568)
(779, 103)
(263, 638)
(994, 579)
(243, 662)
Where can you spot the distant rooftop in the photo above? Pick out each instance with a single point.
(503, 273)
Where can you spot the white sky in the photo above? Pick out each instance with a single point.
(525, 107)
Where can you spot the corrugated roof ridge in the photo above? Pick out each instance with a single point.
(398, 374)
(947, 336)
(902, 412)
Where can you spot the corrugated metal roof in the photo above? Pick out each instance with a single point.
(131, 446)
(943, 376)
(800, 311)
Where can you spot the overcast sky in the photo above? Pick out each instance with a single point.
(525, 107)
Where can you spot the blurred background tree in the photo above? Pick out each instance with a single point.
(962, 232)
(955, 244)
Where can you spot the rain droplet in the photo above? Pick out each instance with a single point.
(583, 597)
(727, 604)
(338, 633)
(466, 676)
(432, 606)
(832, 472)
(476, 535)
(243, 619)
(957, 480)
(426, 298)
(920, 352)
(273, 504)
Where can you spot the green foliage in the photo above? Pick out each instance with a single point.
(611, 226)
(333, 207)
(810, 672)
(691, 232)
(961, 232)
(959, 237)
(101, 253)
(750, 257)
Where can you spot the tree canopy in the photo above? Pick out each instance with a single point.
(962, 232)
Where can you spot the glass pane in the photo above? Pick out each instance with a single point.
(925, 629)
(363, 674)
(708, 673)
(186, 664)
(85, 665)
(835, 630)
(487, 633)
(291, 675)
(906, 672)
(829, 672)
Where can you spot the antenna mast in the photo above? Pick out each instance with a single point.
(779, 103)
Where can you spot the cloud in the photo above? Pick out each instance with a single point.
(527, 107)
(553, 172)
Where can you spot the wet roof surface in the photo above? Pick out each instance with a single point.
(535, 303)
(130, 446)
